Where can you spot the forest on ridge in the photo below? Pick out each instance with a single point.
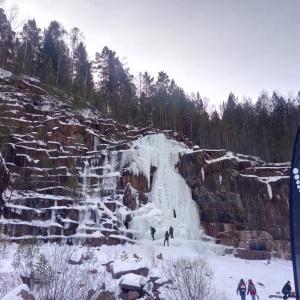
(264, 127)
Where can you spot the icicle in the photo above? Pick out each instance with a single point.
(269, 190)
(84, 175)
(96, 142)
(113, 160)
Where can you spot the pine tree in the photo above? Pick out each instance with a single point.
(42, 270)
(6, 42)
(146, 100)
(75, 37)
(263, 126)
(55, 52)
(29, 50)
(115, 84)
(83, 80)
(161, 100)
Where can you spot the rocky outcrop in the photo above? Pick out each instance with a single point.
(52, 156)
(243, 202)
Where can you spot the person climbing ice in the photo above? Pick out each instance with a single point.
(171, 230)
(152, 232)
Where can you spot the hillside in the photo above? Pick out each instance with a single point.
(72, 177)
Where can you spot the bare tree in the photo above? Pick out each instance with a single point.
(189, 279)
(60, 272)
(13, 15)
(151, 255)
(8, 282)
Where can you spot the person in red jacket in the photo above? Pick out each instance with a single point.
(251, 289)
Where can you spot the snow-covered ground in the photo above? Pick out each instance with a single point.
(269, 277)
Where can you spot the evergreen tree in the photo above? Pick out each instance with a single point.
(115, 84)
(42, 270)
(215, 130)
(146, 99)
(56, 61)
(161, 100)
(280, 133)
(30, 47)
(201, 127)
(6, 42)
(248, 110)
(229, 110)
(263, 126)
(83, 80)
(75, 37)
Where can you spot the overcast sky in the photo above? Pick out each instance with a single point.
(212, 46)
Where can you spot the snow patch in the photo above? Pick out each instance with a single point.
(15, 293)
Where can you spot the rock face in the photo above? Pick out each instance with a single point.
(52, 156)
(243, 202)
(4, 179)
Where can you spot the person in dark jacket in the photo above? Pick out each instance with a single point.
(166, 238)
(251, 289)
(286, 290)
(152, 232)
(171, 230)
(241, 289)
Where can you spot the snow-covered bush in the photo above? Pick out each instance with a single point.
(4, 240)
(8, 282)
(25, 256)
(151, 255)
(189, 279)
(60, 272)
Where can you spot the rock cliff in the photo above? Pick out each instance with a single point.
(243, 201)
(69, 176)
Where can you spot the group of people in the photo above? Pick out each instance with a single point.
(167, 234)
(286, 290)
(250, 290)
(241, 289)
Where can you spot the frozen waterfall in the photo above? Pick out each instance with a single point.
(170, 199)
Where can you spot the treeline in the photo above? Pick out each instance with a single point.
(265, 128)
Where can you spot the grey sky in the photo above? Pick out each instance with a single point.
(213, 46)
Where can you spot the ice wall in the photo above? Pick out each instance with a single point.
(170, 198)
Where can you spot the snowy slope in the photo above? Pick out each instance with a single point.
(228, 270)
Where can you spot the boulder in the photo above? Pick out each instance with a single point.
(144, 271)
(132, 282)
(105, 295)
(20, 292)
(133, 295)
